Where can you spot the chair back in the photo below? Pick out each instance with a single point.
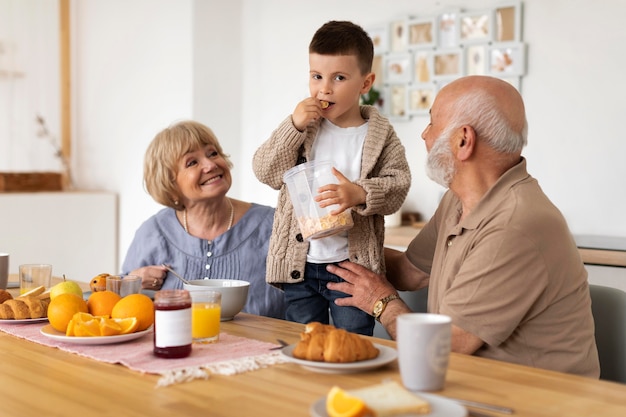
(609, 314)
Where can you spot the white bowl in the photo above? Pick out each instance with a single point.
(234, 293)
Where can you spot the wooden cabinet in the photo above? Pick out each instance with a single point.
(75, 231)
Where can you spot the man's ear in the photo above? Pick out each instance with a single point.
(465, 143)
(368, 83)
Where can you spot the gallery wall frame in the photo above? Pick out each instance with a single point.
(398, 38)
(423, 65)
(507, 59)
(398, 68)
(422, 32)
(448, 63)
(448, 28)
(397, 102)
(416, 56)
(420, 98)
(508, 22)
(476, 59)
(380, 38)
(476, 27)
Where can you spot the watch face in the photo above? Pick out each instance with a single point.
(378, 308)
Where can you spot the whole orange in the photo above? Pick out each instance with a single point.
(62, 308)
(101, 303)
(135, 305)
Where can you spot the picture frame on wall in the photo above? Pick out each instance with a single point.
(476, 59)
(448, 63)
(397, 103)
(421, 32)
(380, 38)
(507, 59)
(398, 68)
(420, 98)
(508, 22)
(423, 70)
(398, 36)
(448, 29)
(476, 27)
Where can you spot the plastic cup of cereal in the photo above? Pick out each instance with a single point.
(315, 222)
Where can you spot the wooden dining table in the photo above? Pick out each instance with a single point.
(37, 380)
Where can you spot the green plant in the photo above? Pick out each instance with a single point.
(371, 98)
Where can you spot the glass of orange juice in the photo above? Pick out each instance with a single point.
(205, 316)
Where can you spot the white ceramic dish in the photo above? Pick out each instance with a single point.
(440, 407)
(49, 331)
(386, 355)
(234, 293)
(23, 321)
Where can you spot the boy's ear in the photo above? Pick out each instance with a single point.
(368, 82)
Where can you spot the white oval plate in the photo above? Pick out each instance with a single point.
(23, 321)
(440, 407)
(386, 355)
(49, 331)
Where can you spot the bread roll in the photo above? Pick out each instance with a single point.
(20, 309)
(326, 343)
(5, 295)
(6, 312)
(35, 307)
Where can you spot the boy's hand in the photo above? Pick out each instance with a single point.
(346, 194)
(307, 111)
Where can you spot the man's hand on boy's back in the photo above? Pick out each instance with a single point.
(347, 194)
(307, 111)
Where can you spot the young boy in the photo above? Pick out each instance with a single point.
(369, 163)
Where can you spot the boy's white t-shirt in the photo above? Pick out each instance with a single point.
(343, 146)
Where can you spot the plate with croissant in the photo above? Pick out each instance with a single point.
(27, 308)
(325, 348)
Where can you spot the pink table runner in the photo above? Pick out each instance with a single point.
(231, 355)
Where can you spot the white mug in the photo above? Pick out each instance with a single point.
(424, 342)
(4, 270)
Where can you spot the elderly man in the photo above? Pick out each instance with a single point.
(497, 255)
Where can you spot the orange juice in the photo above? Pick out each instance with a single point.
(205, 321)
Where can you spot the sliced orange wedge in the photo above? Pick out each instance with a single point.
(127, 325)
(341, 404)
(86, 328)
(109, 327)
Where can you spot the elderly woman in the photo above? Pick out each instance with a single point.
(201, 233)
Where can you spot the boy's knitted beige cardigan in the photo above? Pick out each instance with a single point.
(385, 177)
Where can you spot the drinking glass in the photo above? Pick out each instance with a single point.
(205, 316)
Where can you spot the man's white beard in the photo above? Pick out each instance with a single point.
(440, 163)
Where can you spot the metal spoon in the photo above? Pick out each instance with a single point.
(282, 344)
(175, 274)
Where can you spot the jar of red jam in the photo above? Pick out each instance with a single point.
(172, 324)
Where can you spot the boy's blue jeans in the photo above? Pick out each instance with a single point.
(310, 300)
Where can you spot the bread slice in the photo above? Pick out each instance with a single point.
(391, 399)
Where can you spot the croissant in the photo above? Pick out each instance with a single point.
(28, 307)
(326, 343)
(5, 295)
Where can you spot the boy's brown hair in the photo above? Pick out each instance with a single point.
(344, 38)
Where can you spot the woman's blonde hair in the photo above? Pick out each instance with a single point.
(165, 151)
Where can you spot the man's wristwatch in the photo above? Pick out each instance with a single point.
(380, 305)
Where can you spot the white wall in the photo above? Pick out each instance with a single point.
(573, 91)
(241, 67)
(132, 77)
